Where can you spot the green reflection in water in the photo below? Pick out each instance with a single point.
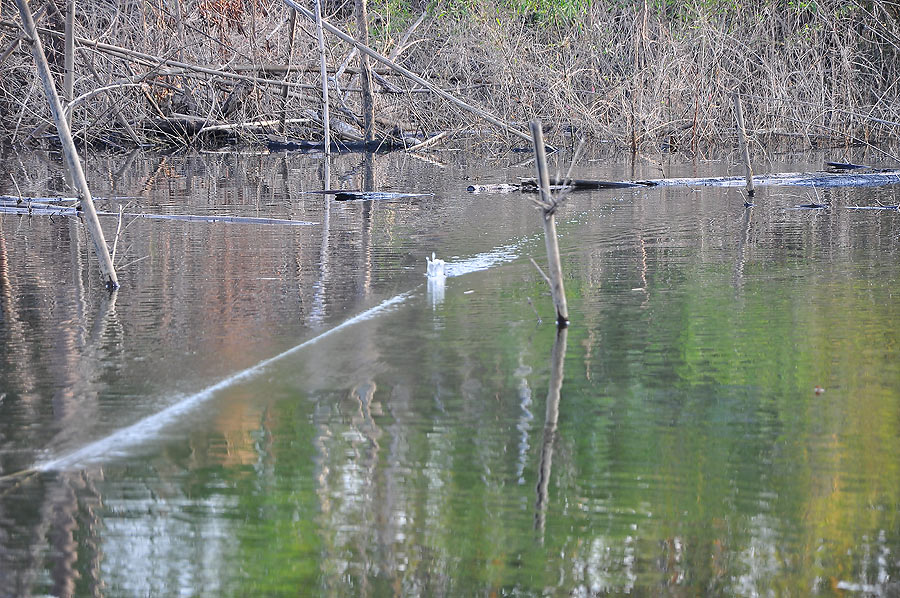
(692, 454)
(402, 456)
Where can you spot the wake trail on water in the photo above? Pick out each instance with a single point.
(118, 443)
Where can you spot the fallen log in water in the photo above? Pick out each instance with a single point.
(494, 188)
(281, 144)
(531, 185)
(848, 177)
(354, 195)
(790, 179)
(47, 209)
(18, 199)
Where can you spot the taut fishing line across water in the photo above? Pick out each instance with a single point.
(119, 442)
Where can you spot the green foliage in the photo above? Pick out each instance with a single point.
(548, 11)
(389, 17)
(535, 12)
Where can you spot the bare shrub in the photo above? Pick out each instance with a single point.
(640, 73)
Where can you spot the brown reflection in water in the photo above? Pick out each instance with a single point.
(44, 301)
(551, 419)
(65, 508)
(13, 326)
(318, 311)
(55, 540)
(367, 207)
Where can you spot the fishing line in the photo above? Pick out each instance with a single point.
(117, 443)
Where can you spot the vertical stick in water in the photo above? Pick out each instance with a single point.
(742, 139)
(365, 75)
(69, 59)
(68, 146)
(292, 26)
(323, 69)
(549, 221)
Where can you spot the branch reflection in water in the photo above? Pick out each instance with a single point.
(738, 272)
(558, 357)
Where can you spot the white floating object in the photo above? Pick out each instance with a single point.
(435, 267)
(436, 287)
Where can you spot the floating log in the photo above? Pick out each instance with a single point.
(283, 144)
(531, 185)
(494, 188)
(45, 209)
(843, 166)
(354, 195)
(225, 219)
(791, 179)
(18, 200)
(870, 178)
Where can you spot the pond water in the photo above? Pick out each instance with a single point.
(267, 410)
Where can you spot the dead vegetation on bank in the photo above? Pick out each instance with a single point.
(636, 73)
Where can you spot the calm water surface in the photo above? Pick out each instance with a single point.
(295, 411)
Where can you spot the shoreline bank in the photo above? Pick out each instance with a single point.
(635, 75)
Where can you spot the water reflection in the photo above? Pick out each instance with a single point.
(551, 420)
(744, 239)
(436, 289)
(323, 428)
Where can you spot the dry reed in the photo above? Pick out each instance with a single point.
(643, 75)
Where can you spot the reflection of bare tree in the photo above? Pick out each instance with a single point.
(61, 535)
(55, 532)
(738, 273)
(317, 315)
(14, 329)
(356, 505)
(348, 488)
(365, 269)
(558, 357)
(66, 510)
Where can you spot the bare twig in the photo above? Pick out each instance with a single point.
(118, 232)
(540, 271)
(326, 124)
